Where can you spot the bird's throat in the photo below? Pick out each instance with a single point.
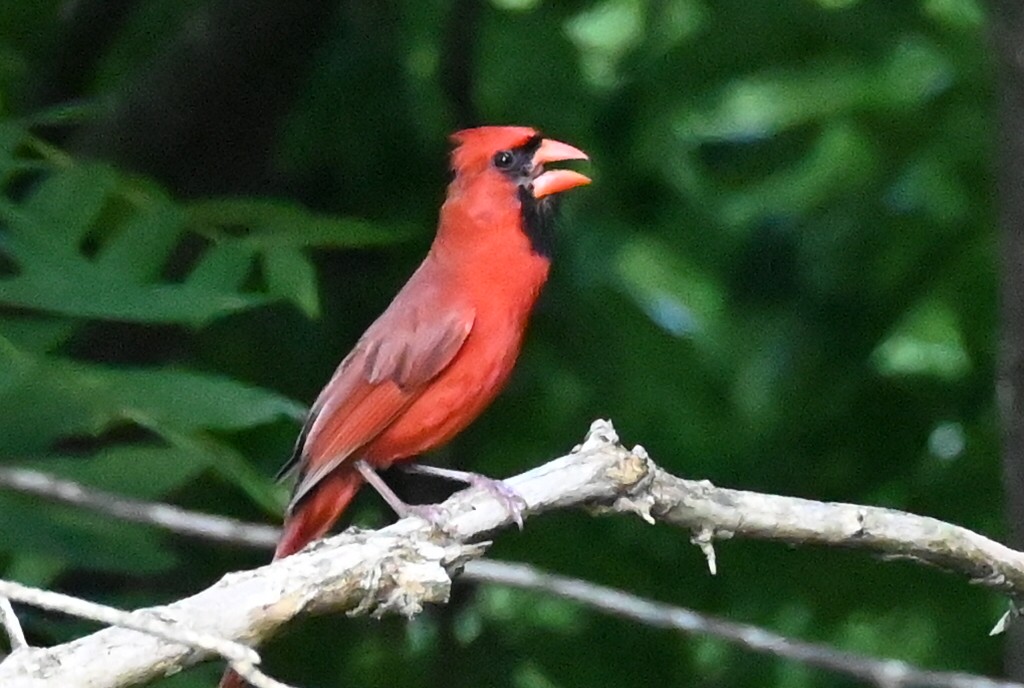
(538, 221)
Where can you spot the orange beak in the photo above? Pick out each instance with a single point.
(557, 181)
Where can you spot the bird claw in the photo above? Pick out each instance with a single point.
(513, 502)
(431, 513)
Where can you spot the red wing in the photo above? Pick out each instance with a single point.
(388, 369)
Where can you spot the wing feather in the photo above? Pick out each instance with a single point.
(387, 370)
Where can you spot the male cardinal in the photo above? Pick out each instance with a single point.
(444, 348)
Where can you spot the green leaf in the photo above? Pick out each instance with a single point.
(672, 292)
(136, 470)
(66, 113)
(37, 333)
(33, 569)
(233, 467)
(74, 398)
(105, 296)
(11, 136)
(223, 268)
(841, 159)
(53, 275)
(276, 222)
(758, 105)
(141, 246)
(926, 342)
(80, 538)
(291, 275)
(64, 207)
(184, 399)
(140, 471)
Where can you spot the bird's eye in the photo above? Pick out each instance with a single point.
(503, 159)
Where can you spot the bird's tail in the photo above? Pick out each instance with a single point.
(310, 519)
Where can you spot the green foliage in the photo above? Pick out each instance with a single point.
(783, 278)
(84, 244)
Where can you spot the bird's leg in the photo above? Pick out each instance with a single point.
(428, 512)
(512, 501)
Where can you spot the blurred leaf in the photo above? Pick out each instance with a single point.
(105, 296)
(961, 14)
(223, 268)
(673, 294)
(81, 539)
(603, 34)
(291, 275)
(11, 137)
(63, 208)
(930, 186)
(38, 570)
(65, 114)
(926, 342)
(529, 675)
(146, 472)
(533, 612)
(48, 242)
(876, 634)
(134, 470)
(71, 398)
(840, 160)
(39, 333)
(276, 223)
(141, 247)
(232, 466)
(764, 104)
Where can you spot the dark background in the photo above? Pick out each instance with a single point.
(784, 278)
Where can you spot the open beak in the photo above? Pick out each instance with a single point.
(557, 181)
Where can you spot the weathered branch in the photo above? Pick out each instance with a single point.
(400, 568)
(881, 672)
(11, 625)
(166, 516)
(397, 569)
(885, 673)
(242, 659)
(717, 513)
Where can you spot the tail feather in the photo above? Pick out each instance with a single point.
(317, 512)
(311, 518)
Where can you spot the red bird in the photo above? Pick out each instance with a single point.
(444, 348)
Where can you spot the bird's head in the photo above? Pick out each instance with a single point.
(516, 155)
(497, 167)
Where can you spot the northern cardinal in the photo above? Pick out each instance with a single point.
(444, 348)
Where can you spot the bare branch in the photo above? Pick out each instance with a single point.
(9, 620)
(709, 512)
(242, 659)
(165, 516)
(395, 570)
(400, 568)
(620, 603)
(883, 673)
(722, 513)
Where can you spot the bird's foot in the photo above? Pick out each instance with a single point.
(431, 513)
(513, 502)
